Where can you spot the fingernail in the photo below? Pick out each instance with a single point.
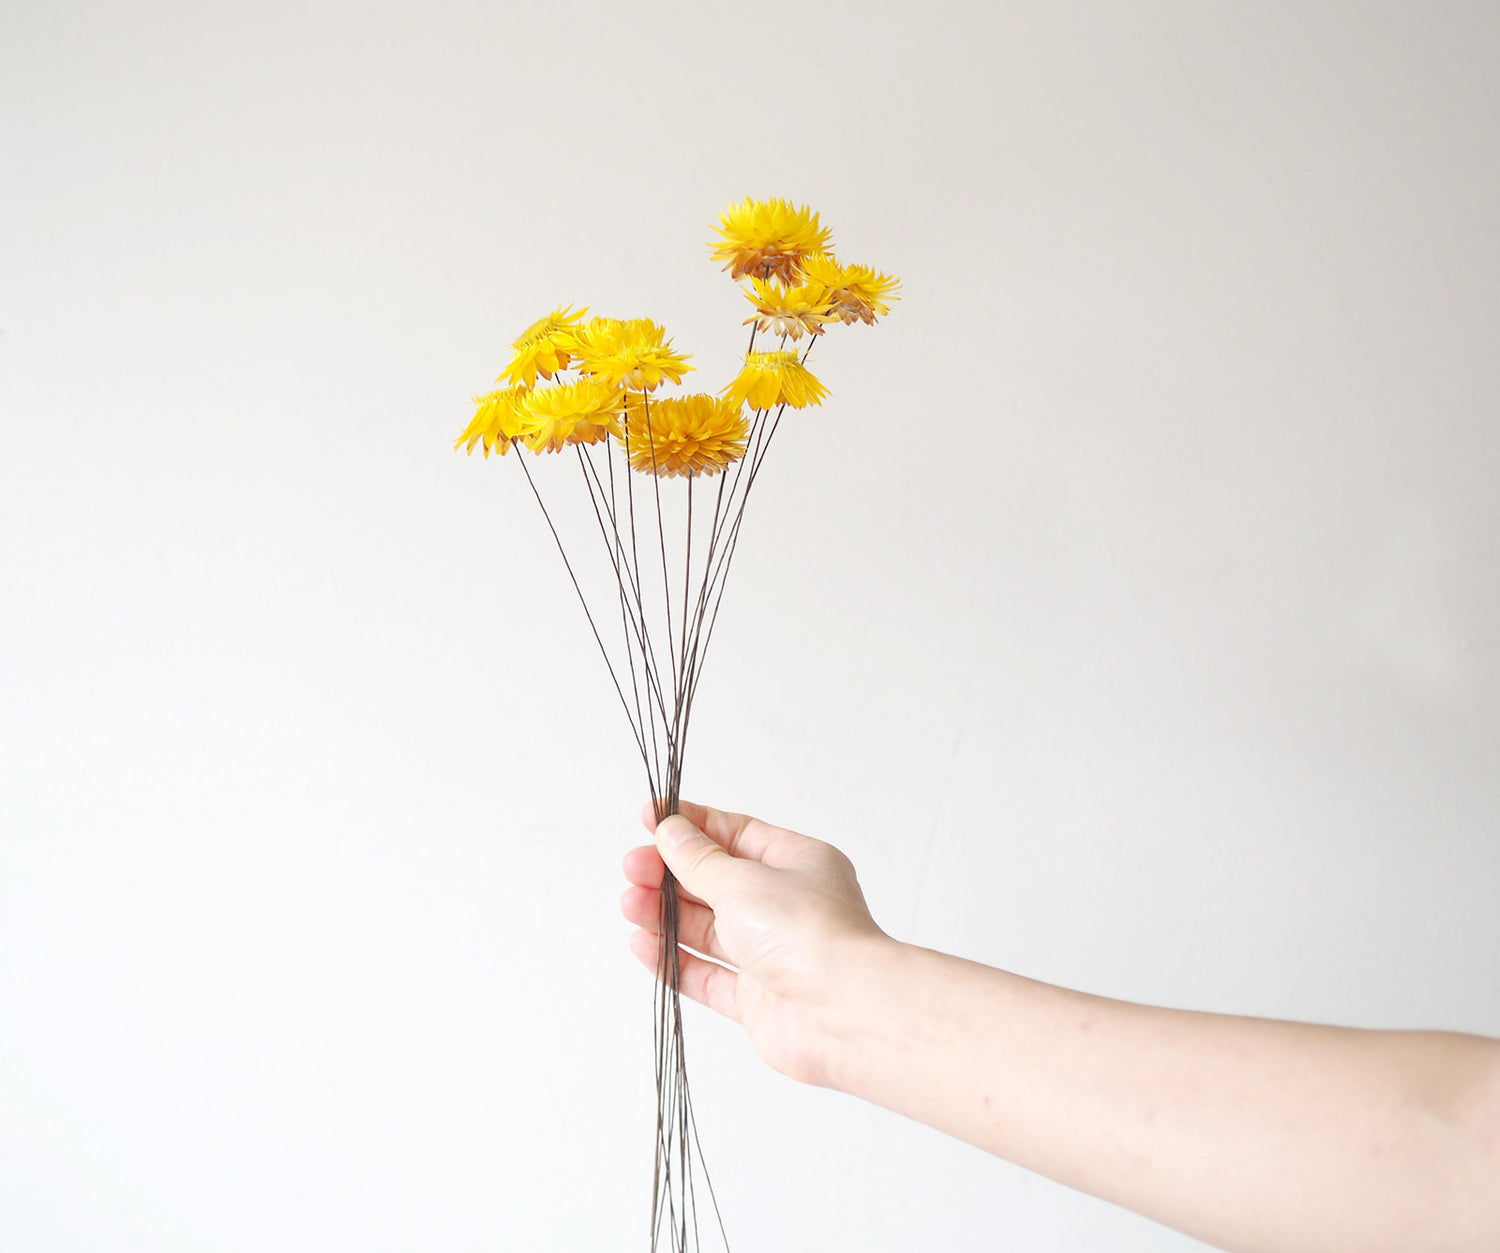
(674, 829)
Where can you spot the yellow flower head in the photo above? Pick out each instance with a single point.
(584, 412)
(498, 420)
(543, 348)
(793, 311)
(689, 435)
(856, 293)
(768, 239)
(633, 354)
(775, 378)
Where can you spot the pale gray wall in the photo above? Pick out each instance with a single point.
(1130, 613)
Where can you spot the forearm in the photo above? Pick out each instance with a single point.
(1251, 1134)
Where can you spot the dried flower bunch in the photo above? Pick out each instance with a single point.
(796, 288)
(594, 385)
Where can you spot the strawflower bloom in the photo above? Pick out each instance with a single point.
(768, 239)
(584, 412)
(856, 293)
(498, 420)
(633, 354)
(544, 348)
(688, 435)
(791, 311)
(775, 378)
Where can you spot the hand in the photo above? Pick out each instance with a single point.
(781, 916)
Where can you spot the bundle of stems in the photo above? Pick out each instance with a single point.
(663, 561)
(664, 635)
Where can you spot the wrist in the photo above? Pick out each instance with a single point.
(864, 980)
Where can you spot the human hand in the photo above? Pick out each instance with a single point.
(781, 916)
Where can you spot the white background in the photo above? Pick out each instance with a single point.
(1129, 613)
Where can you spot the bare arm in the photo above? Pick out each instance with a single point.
(1251, 1134)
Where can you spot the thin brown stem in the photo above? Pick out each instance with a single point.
(603, 652)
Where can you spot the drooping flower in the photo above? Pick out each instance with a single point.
(690, 435)
(791, 311)
(583, 412)
(768, 239)
(633, 353)
(775, 378)
(544, 347)
(856, 293)
(498, 420)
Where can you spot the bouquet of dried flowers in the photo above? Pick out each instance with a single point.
(593, 387)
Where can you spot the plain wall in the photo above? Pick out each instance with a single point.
(1129, 613)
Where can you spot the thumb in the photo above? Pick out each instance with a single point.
(701, 866)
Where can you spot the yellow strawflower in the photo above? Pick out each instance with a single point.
(856, 293)
(791, 311)
(688, 435)
(633, 354)
(498, 419)
(543, 348)
(768, 239)
(775, 378)
(584, 412)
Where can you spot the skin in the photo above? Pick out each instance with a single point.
(1253, 1135)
